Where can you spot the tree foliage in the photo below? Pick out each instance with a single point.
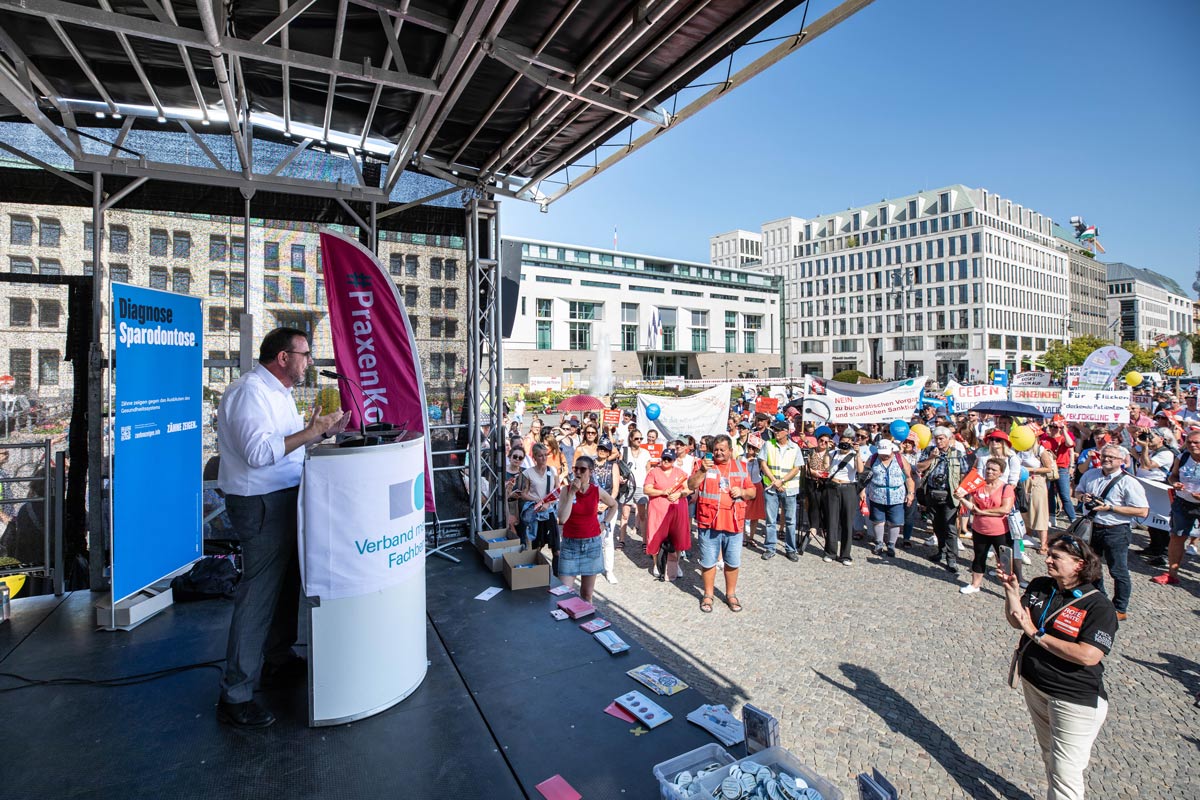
(1060, 356)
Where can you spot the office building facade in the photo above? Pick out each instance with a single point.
(953, 282)
(737, 249)
(1144, 306)
(1089, 287)
(655, 318)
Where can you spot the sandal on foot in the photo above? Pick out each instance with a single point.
(733, 603)
(706, 603)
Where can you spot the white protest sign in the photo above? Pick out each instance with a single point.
(967, 397)
(874, 402)
(1094, 405)
(699, 415)
(1046, 398)
(1030, 379)
(1158, 496)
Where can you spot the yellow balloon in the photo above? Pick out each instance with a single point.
(1133, 378)
(923, 434)
(1022, 438)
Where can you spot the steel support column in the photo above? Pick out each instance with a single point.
(485, 370)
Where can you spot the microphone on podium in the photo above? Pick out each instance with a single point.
(362, 420)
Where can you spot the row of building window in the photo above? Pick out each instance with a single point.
(407, 265)
(588, 311)
(20, 367)
(579, 337)
(20, 313)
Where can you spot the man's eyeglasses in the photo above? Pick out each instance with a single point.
(1112, 458)
(306, 353)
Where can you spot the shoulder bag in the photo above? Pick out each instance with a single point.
(1014, 666)
(1081, 528)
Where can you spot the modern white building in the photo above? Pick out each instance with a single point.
(657, 317)
(950, 282)
(737, 248)
(1144, 305)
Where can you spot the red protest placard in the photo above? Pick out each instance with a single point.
(767, 405)
(656, 451)
(611, 417)
(971, 481)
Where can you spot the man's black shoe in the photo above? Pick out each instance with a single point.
(935, 558)
(793, 557)
(244, 715)
(1160, 562)
(287, 673)
(905, 543)
(767, 556)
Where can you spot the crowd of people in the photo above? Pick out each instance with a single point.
(799, 486)
(984, 487)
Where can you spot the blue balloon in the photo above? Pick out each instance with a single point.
(780, 417)
(1024, 474)
(899, 430)
(435, 412)
(652, 411)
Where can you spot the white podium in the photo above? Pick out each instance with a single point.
(362, 563)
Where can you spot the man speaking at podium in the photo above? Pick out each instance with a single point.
(262, 439)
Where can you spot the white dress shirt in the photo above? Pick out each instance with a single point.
(255, 415)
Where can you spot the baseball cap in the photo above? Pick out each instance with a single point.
(668, 454)
(779, 425)
(1001, 435)
(886, 447)
(824, 430)
(604, 444)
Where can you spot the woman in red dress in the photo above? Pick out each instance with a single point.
(666, 486)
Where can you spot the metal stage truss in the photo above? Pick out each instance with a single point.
(334, 101)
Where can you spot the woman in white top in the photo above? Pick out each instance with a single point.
(841, 501)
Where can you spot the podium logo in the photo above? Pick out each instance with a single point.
(407, 497)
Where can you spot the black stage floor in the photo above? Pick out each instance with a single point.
(512, 697)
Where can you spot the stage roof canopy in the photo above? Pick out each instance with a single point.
(505, 96)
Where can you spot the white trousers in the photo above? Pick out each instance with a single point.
(1065, 732)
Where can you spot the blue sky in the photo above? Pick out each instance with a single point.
(1066, 107)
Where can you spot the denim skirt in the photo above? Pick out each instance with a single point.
(581, 556)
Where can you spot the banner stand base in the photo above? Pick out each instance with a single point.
(134, 610)
(437, 551)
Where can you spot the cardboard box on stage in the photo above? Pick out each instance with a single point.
(493, 551)
(499, 539)
(527, 569)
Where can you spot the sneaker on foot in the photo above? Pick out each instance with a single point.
(992, 573)
(969, 589)
(847, 561)
(891, 552)
(931, 541)
(793, 556)
(610, 577)
(1025, 559)
(1165, 579)
(1191, 550)
(827, 559)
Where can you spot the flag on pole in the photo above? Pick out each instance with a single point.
(373, 343)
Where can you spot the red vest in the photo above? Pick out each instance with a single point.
(709, 497)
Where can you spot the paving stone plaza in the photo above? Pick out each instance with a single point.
(885, 664)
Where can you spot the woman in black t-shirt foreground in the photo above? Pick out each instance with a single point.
(1068, 626)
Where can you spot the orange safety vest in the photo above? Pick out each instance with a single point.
(708, 501)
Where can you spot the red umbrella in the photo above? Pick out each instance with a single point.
(582, 402)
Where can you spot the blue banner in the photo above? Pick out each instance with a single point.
(157, 496)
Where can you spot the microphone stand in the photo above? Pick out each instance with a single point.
(362, 419)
